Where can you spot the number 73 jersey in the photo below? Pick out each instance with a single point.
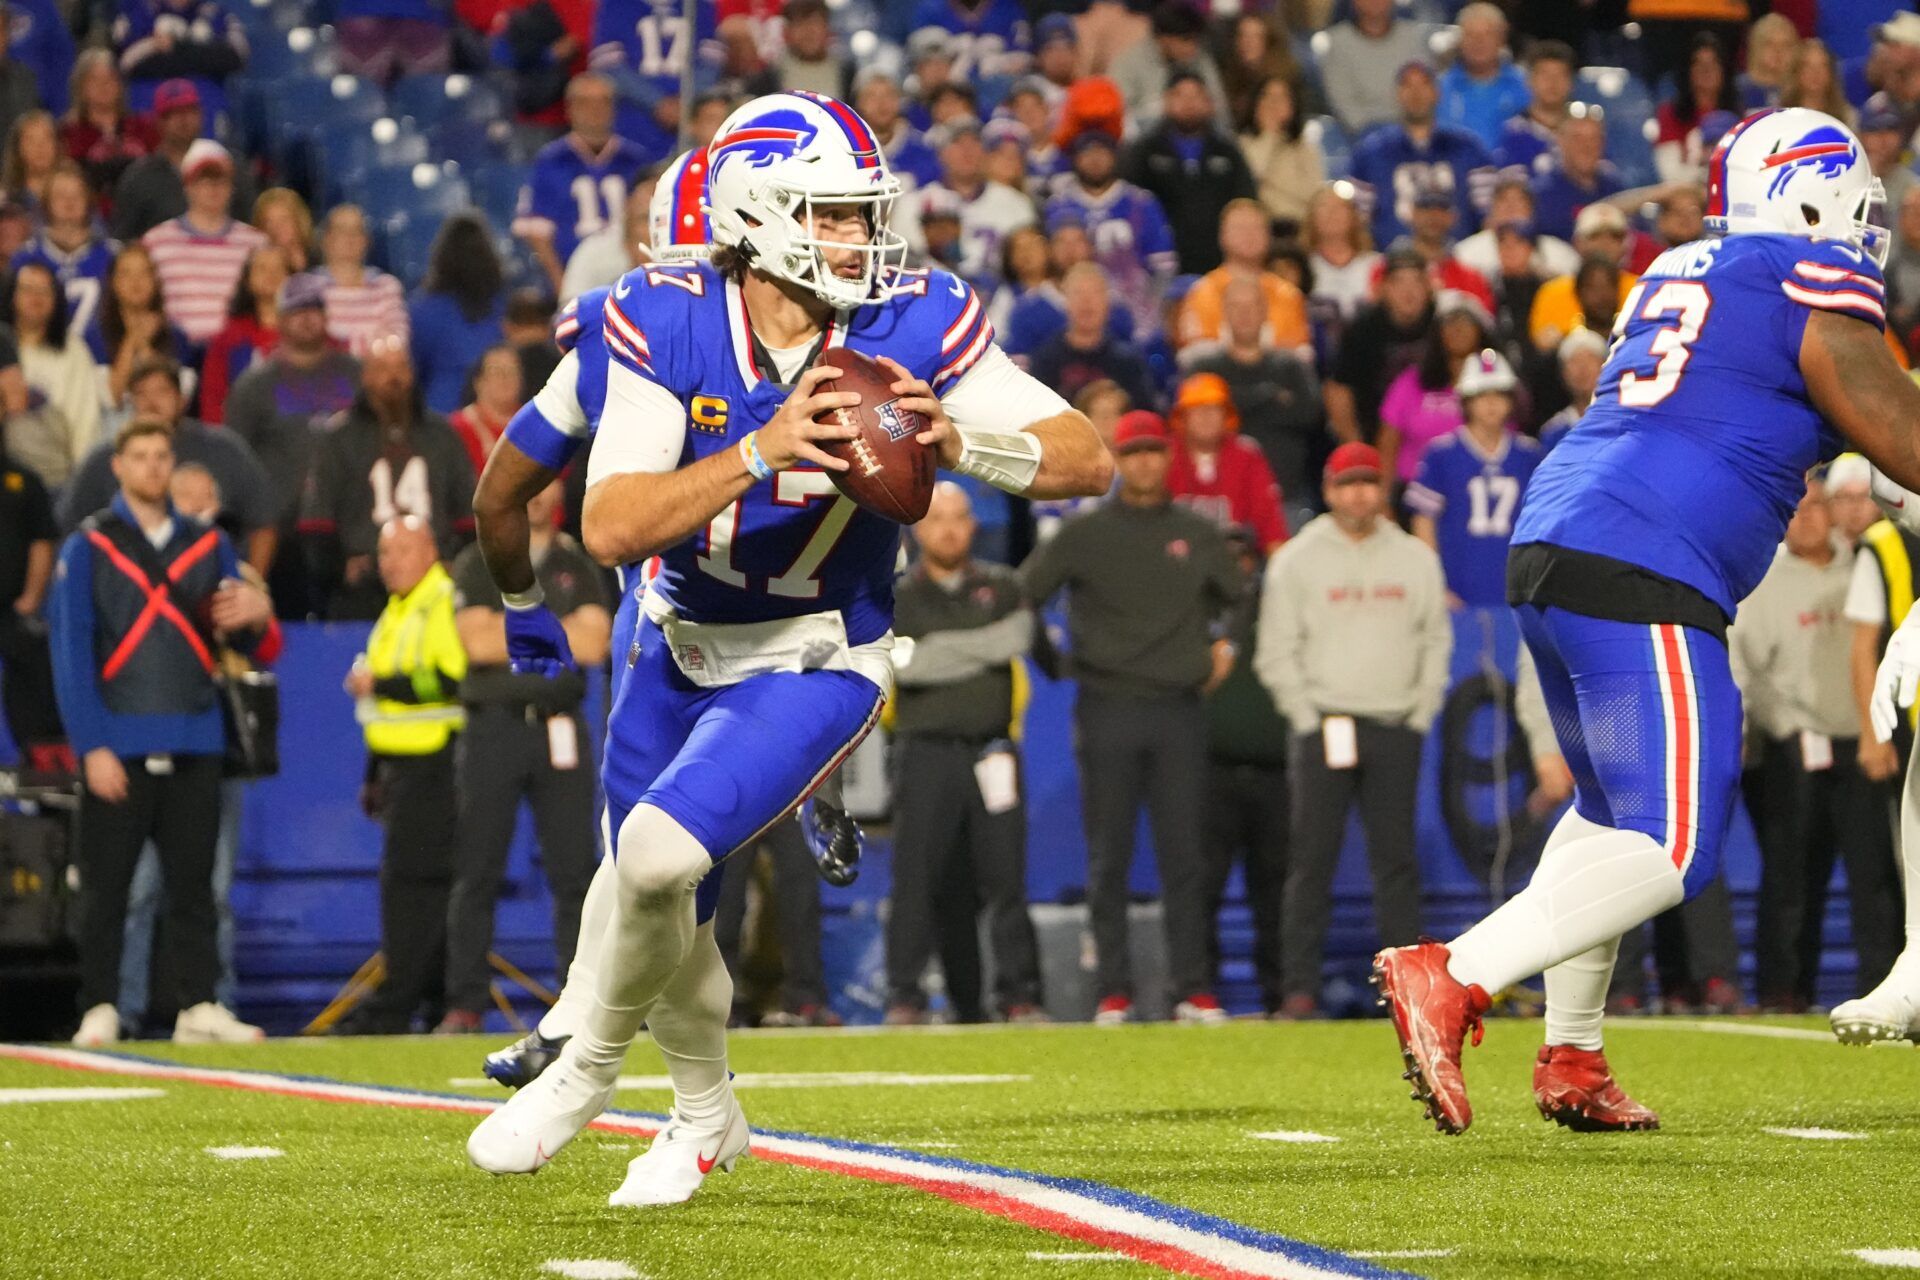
(1694, 453)
(792, 544)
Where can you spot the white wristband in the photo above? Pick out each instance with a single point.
(1006, 460)
(521, 601)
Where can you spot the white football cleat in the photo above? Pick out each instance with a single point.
(543, 1117)
(681, 1157)
(1891, 1011)
(210, 1023)
(100, 1026)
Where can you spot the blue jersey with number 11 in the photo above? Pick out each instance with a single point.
(1695, 451)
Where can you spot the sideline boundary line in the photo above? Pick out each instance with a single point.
(1160, 1234)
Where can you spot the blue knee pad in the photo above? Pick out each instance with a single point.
(1648, 718)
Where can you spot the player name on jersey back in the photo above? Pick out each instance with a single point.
(1694, 452)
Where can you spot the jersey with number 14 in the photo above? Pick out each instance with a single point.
(1694, 453)
(792, 544)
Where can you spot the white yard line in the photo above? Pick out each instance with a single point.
(589, 1269)
(1038, 1256)
(1890, 1257)
(1815, 1134)
(57, 1094)
(1405, 1253)
(1293, 1135)
(243, 1153)
(798, 1080)
(1759, 1029)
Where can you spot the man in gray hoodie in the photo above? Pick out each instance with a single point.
(1354, 641)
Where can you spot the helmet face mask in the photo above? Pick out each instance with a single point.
(781, 165)
(1797, 171)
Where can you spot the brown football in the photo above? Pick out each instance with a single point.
(891, 472)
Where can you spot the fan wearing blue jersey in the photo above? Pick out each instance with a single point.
(763, 653)
(1396, 162)
(579, 182)
(70, 247)
(646, 48)
(1735, 360)
(991, 38)
(1467, 491)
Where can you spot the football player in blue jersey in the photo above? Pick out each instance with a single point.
(762, 655)
(1734, 361)
(543, 438)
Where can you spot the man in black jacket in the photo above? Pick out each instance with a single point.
(1193, 168)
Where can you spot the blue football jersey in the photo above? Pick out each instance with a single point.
(990, 38)
(1695, 450)
(1397, 169)
(1132, 241)
(646, 47)
(552, 441)
(1472, 498)
(793, 544)
(570, 195)
(82, 273)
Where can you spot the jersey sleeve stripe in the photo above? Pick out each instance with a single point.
(967, 359)
(1424, 500)
(617, 323)
(625, 353)
(1858, 303)
(957, 333)
(1824, 274)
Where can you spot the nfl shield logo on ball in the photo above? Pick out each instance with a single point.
(895, 423)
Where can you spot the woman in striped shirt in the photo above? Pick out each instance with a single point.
(363, 302)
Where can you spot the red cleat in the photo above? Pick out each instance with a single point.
(1432, 1014)
(1576, 1088)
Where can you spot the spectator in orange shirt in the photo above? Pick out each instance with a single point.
(1599, 232)
(1218, 472)
(1246, 237)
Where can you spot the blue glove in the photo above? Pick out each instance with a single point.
(537, 643)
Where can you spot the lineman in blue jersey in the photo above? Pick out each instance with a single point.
(764, 653)
(1733, 362)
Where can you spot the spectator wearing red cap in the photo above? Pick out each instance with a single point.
(153, 189)
(1354, 642)
(163, 40)
(1151, 589)
(1217, 471)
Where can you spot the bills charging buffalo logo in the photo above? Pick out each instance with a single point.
(894, 421)
(765, 139)
(1828, 151)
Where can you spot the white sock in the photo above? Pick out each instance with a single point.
(1577, 996)
(688, 1024)
(1593, 884)
(1909, 859)
(596, 926)
(660, 865)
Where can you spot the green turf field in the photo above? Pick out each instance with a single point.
(125, 1187)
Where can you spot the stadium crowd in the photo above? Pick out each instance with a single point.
(1330, 276)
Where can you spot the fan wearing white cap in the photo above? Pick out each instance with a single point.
(1734, 363)
(1467, 491)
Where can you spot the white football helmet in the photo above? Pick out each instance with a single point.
(776, 159)
(1798, 171)
(677, 214)
(1487, 370)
